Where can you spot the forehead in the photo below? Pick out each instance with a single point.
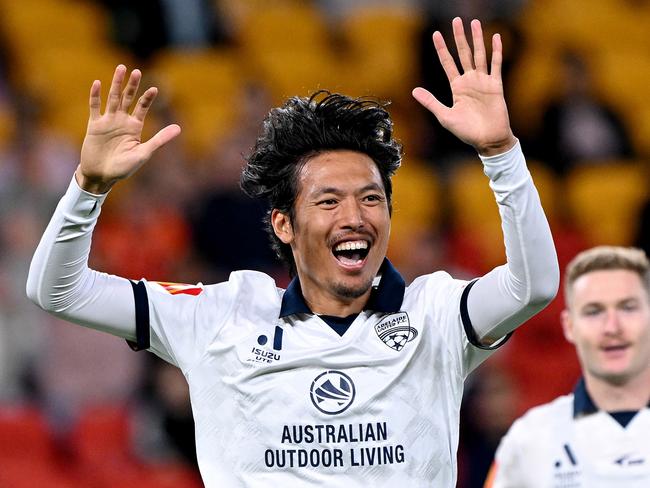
(607, 286)
(340, 169)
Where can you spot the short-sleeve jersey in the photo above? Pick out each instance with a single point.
(280, 399)
(570, 443)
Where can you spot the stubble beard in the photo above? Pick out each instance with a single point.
(351, 292)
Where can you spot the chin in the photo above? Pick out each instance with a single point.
(350, 290)
(616, 376)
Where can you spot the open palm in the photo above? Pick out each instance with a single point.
(478, 115)
(112, 149)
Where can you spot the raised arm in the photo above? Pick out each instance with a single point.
(510, 294)
(59, 279)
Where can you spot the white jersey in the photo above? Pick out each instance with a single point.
(279, 396)
(569, 443)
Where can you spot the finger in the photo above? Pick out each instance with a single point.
(446, 60)
(162, 137)
(431, 103)
(497, 56)
(144, 103)
(95, 100)
(131, 89)
(464, 51)
(480, 60)
(116, 87)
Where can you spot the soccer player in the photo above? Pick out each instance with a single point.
(347, 377)
(598, 435)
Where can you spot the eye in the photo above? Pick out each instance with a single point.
(591, 311)
(328, 202)
(373, 198)
(629, 306)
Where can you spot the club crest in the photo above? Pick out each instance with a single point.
(395, 330)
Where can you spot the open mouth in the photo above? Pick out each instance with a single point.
(351, 253)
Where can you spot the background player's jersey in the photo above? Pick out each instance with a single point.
(286, 401)
(552, 446)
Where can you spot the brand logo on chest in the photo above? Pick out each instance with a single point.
(395, 330)
(332, 392)
(263, 354)
(567, 473)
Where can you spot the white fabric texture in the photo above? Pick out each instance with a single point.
(549, 448)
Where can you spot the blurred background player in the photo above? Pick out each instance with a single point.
(598, 435)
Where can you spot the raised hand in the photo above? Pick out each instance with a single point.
(478, 115)
(112, 149)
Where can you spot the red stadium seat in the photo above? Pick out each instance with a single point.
(27, 451)
(33, 473)
(173, 475)
(102, 434)
(24, 434)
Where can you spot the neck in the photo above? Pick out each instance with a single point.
(322, 303)
(631, 395)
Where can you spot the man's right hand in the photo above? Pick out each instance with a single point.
(112, 149)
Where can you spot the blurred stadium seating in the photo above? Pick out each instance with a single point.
(605, 200)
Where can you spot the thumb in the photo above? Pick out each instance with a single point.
(431, 103)
(162, 137)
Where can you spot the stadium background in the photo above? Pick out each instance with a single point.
(78, 408)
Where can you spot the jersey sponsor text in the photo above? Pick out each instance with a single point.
(360, 455)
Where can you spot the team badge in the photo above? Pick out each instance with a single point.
(180, 288)
(332, 392)
(395, 330)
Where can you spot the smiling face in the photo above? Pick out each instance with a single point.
(609, 323)
(339, 234)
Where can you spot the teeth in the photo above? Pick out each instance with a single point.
(351, 246)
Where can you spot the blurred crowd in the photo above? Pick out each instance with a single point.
(575, 76)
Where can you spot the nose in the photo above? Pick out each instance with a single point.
(612, 322)
(352, 215)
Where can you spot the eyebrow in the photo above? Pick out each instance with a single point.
(338, 191)
(618, 302)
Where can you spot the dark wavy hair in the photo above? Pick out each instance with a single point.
(301, 129)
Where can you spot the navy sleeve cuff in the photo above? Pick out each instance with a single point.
(142, 331)
(469, 329)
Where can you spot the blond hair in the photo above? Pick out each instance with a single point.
(602, 258)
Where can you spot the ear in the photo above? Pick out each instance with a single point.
(282, 226)
(567, 325)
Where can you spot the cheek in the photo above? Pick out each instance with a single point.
(583, 339)
(381, 220)
(644, 335)
(311, 235)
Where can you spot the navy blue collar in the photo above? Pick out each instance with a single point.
(386, 297)
(582, 402)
